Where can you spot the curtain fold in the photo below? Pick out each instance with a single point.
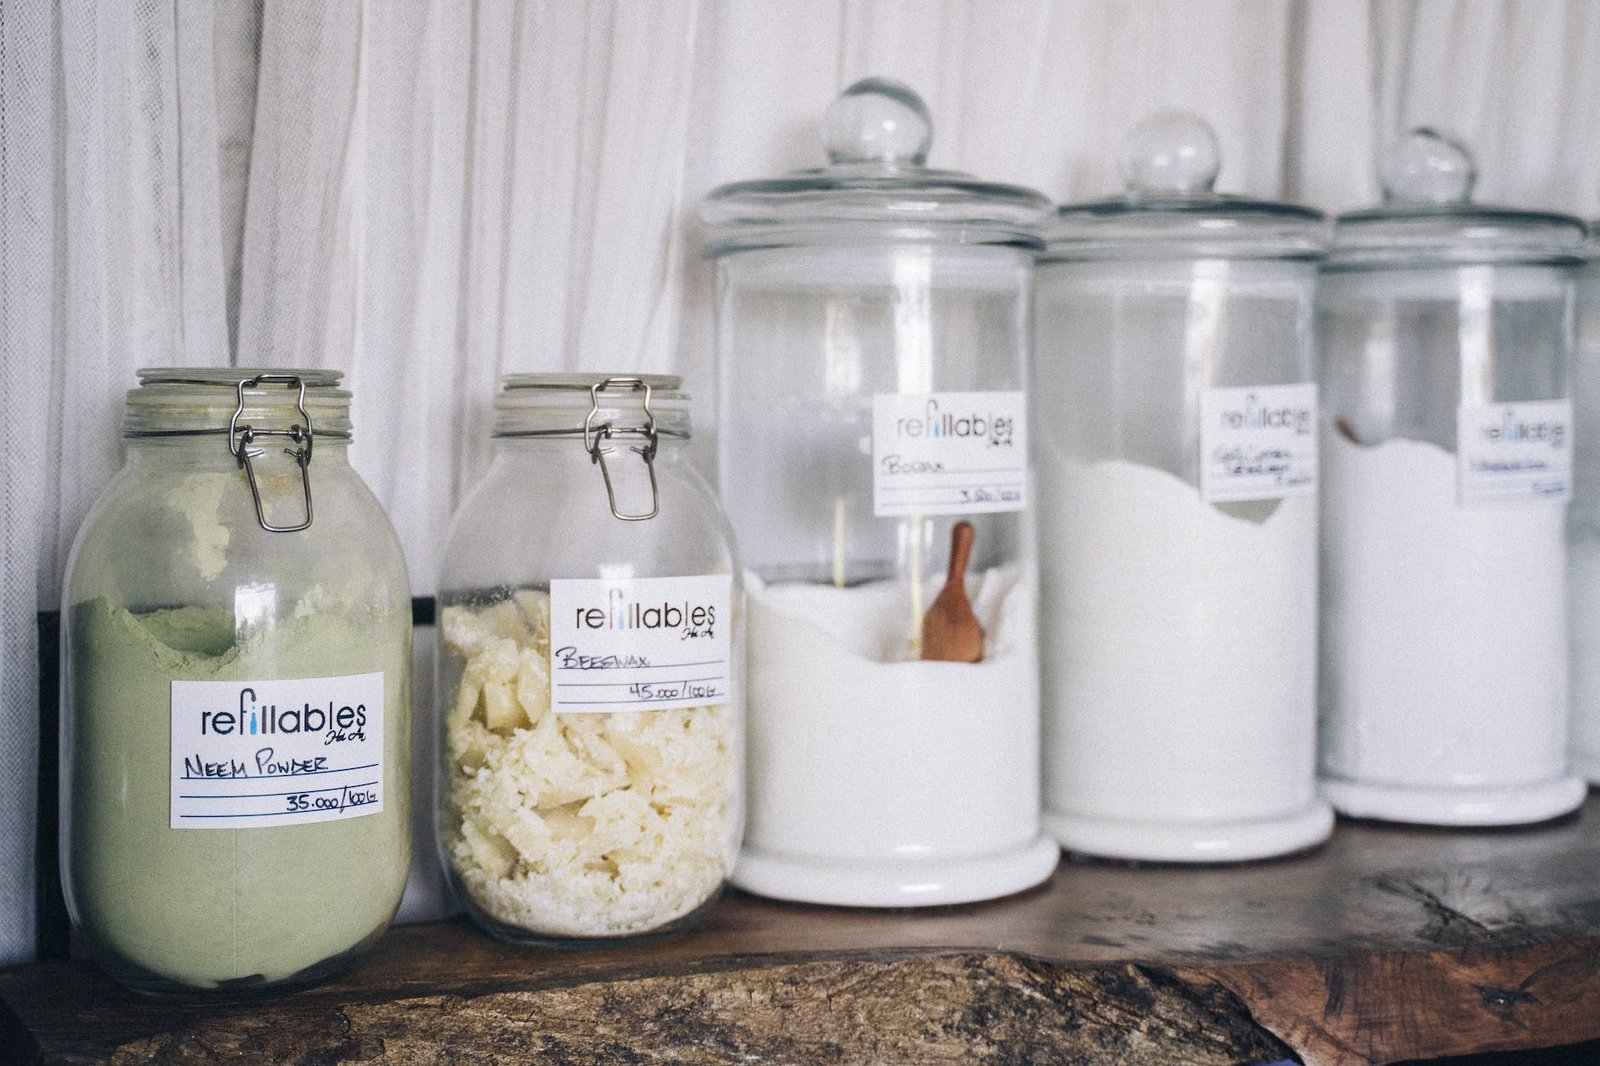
(428, 195)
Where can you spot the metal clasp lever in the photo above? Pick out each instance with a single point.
(594, 435)
(241, 437)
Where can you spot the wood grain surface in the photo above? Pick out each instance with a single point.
(1389, 943)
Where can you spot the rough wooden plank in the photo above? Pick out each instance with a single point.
(1380, 1008)
(1389, 943)
(928, 1009)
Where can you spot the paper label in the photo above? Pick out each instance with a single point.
(1514, 452)
(1258, 443)
(248, 754)
(942, 453)
(639, 644)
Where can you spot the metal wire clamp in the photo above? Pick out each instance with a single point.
(594, 436)
(241, 437)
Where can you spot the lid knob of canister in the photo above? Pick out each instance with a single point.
(1170, 153)
(878, 120)
(1426, 167)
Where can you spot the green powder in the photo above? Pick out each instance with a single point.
(209, 908)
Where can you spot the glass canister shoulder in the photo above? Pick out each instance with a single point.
(591, 667)
(236, 692)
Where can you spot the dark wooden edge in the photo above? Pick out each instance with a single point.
(1332, 1009)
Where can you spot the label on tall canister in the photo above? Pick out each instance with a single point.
(252, 754)
(1513, 452)
(947, 453)
(1258, 442)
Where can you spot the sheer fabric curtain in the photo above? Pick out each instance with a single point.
(429, 194)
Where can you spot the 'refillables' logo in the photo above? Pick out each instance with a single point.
(1297, 418)
(621, 612)
(937, 423)
(253, 718)
(1513, 430)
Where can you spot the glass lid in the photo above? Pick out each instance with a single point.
(875, 187)
(1428, 216)
(1170, 162)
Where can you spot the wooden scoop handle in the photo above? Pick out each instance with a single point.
(961, 537)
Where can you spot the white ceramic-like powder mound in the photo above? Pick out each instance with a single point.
(1444, 652)
(1583, 616)
(1179, 650)
(855, 754)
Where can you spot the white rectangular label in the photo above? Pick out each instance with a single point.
(940, 453)
(1258, 443)
(639, 644)
(247, 754)
(1514, 452)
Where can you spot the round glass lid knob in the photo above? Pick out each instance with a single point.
(878, 120)
(1170, 153)
(1426, 167)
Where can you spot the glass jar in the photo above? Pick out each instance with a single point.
(235, 751)
(1446, 337)
(872, 332)
(1179, 513)
(1583, 522)
(591, 670)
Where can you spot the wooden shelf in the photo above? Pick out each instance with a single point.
(1389, 943)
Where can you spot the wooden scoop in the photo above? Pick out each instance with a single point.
(950, 631)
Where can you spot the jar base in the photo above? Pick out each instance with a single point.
(1585, 765)
(512, 934)
(1481, 806)
(1242, 840)
(895, 882)
(136, 978)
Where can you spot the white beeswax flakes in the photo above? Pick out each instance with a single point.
(615, 822)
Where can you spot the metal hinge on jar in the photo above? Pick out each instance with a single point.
(594, 435)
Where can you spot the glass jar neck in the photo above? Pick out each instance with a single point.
(201, 401)
(591, 407)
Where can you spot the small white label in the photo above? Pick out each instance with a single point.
(1258, 443)
(247, 754)
(639, 644)
(939, 453)
(1514, 452)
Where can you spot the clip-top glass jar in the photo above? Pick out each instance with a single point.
(1583, 522)
(591, 668)
(872, 334)
(235, 761)
(1446, 337)
(1179, 513)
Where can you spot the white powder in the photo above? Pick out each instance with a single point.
(1180, 650)
(1583, 616)
(853, 757)
(1444, 659)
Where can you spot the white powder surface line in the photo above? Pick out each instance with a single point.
(1444, 653)
(1179, 666)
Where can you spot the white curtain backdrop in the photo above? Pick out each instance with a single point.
(427, 194)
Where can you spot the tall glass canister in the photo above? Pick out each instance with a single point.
(872, 331)
(1583, 523)
(236, 742)
(1446, 337)
(1177, 480)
